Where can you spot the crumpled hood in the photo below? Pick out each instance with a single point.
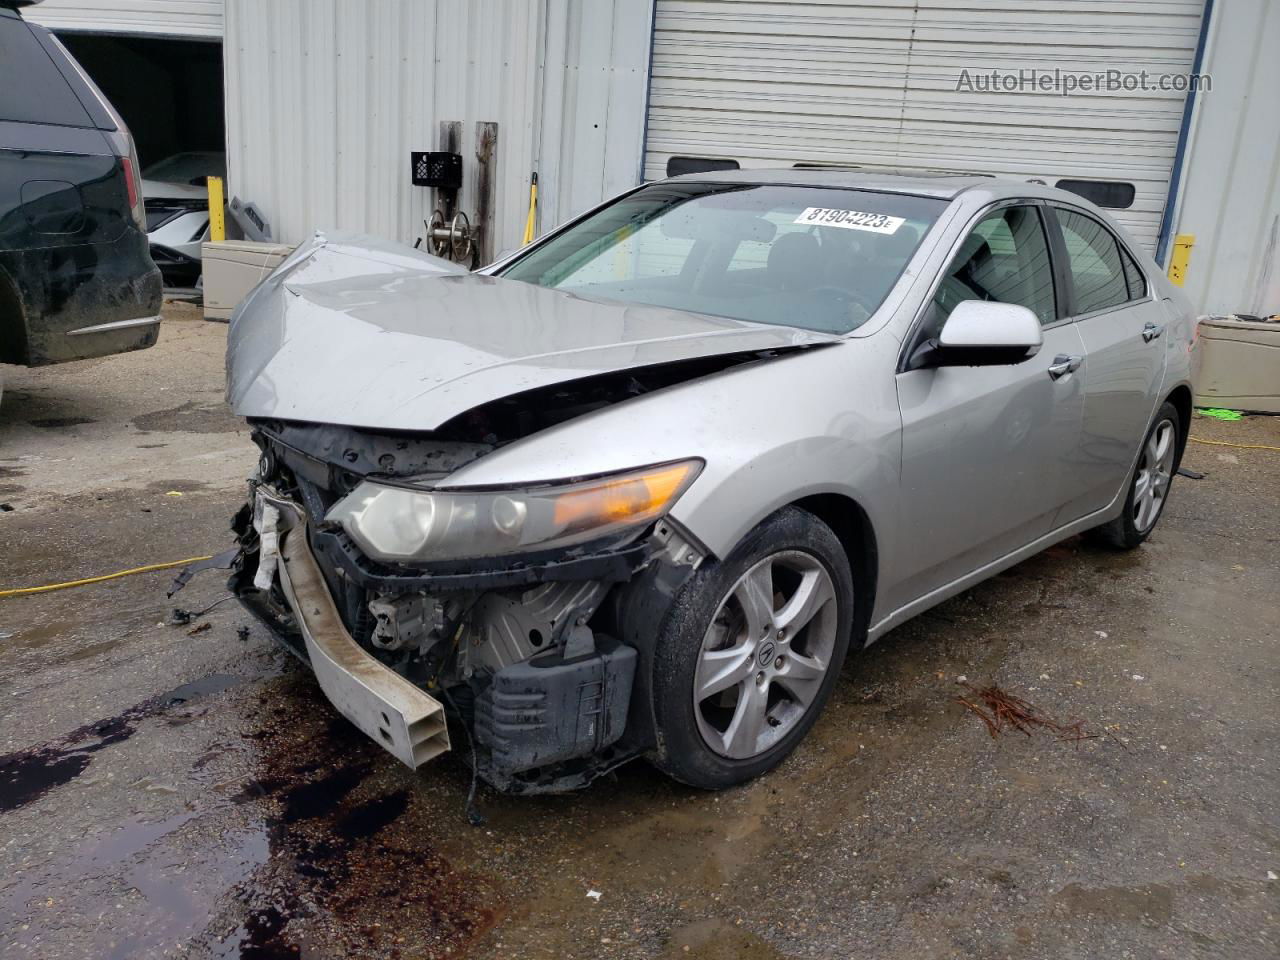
(363, 333)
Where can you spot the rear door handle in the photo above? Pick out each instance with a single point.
(1064, 364)
(1151, 330)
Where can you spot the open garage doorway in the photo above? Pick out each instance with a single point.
(169, 92)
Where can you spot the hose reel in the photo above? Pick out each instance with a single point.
(450, 238)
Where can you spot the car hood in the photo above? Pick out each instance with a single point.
(363, 333)
(164, 190)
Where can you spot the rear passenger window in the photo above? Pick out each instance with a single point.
(32, 89)
(1005, 259)
(1098, 273)
(1133, 277)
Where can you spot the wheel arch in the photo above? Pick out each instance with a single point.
(13, 321)
(1180, 397)
(853, 527)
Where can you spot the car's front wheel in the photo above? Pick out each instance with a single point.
(750, 652)
(1150, 485)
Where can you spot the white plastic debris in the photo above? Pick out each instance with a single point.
(1100, 634)
(962, 679)
(1044, 676)
(594, 894)
(1271, 875)
(1138, 676)
(268, 546)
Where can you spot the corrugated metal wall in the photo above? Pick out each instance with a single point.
(326, 99)
(173, 18)
(1231, 189)
(874, 84)
(596, 82)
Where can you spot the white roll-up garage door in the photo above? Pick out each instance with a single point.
(875, 85)
(196, 19)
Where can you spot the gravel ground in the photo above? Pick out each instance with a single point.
(187, 792)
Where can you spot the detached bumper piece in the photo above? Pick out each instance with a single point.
(403, 719)
(538, 714)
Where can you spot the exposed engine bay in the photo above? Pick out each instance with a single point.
(534, 659)
(523, 606)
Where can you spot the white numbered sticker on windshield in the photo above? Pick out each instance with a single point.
(850, 219)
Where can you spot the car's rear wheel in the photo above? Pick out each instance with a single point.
(1149, 488)
(750, 652)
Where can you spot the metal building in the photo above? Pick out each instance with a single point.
(165, 18)
(327, 99)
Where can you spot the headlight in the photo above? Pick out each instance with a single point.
(403, 524)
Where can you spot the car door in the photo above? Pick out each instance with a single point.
(984, 448)
(1121, 327)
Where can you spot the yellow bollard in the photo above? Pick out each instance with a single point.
(1181, 258)
(217, 211)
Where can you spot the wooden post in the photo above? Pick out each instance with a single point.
(450, 138)
(486, 178)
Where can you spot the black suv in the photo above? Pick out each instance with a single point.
(76, 278)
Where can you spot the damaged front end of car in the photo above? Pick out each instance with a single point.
(526, 650)
(519, 615)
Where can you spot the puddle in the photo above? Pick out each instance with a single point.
(32, 638)
(93, 650)
(27, 775)
(142, 871)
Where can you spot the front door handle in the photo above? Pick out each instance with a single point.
(1151, 330)
(1064, 364)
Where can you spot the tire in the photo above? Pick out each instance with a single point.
(1144, 503)
(722, 630)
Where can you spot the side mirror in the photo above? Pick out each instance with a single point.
(979, 333)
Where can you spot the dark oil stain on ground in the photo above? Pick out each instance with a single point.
(190, 417)
(27, 775)
(259, 938)
(182, 486)
(353, 865)
(53, 423)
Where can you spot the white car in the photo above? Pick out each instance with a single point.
(177, 208)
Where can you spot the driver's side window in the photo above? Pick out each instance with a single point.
(1005, 259)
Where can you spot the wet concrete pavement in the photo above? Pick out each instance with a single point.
(174, 791)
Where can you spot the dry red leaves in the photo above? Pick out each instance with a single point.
(1002, 712)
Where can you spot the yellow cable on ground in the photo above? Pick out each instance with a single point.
(15, 591)
(1242, 446)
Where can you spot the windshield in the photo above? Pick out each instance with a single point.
(821, 259)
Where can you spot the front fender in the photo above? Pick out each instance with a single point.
(823, 421)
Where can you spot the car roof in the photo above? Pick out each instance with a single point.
(942, 186)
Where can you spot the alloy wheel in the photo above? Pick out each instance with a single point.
(765, 656)
(1155, 473)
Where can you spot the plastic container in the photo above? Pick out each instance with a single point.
(1238, 365)
(233, 268)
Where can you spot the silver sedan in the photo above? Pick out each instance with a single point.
(635, 490)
